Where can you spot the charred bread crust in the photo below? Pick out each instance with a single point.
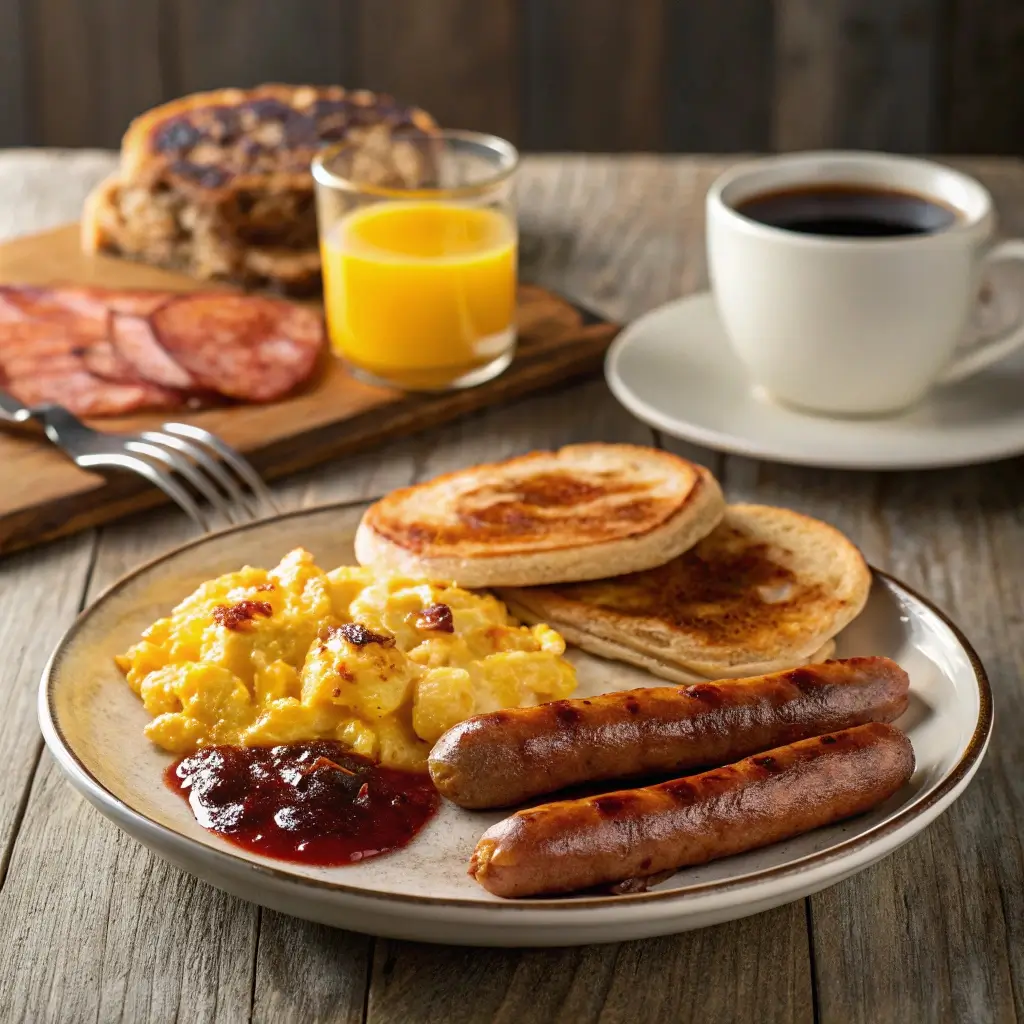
(222, 142)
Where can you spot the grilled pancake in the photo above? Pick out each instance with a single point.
(765, 591)
(583, 512)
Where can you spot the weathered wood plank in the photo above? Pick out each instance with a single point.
(907, 75)
(46, 187)
(308, 972)
(459, 59)
(985, 76)
(246, 42)
(39, 596)
(858, 73)
(890, 60)
(103, 929)
(724, 50)
(737, 972)
(93, 66)
(806, 34)
(16, 128)
(594, 75)
(934, 932)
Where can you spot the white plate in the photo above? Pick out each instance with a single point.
(93, 724)
(675, 370)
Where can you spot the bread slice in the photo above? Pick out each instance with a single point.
(766, 590)
(218, 184)
(583, 512)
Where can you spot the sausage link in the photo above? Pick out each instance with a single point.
(578, 844)
(507, 757)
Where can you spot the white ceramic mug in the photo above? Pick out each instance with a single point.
(853, 326)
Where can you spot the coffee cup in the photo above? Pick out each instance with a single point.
(846, 280)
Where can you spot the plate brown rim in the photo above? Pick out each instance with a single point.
(101, 795)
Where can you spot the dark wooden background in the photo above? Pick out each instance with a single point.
(667, 75)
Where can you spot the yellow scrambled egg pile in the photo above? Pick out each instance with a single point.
(384, 664)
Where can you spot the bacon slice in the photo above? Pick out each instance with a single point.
(244, 346)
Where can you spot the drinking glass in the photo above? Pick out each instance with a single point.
(418, 242)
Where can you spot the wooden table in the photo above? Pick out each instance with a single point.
(95, 928)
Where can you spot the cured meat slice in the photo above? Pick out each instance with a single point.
(140, 303)
(85, 307)
(104, 361)
(28, 346)
(77, 307)
(81, 302)
(86, 395)
(244, 346)
(136, 342)
(54, 348)
(103, 352)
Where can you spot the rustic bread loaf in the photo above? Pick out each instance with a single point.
(218, 184)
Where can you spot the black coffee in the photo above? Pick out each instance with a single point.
(848, 211)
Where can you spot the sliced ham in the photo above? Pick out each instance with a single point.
(87, 395)
(134, 339)
(244, 346)
(76, 307)
(140, 303)
(103, 352)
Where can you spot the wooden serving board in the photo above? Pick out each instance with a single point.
(44, 495)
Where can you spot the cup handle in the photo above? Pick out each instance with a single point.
(990, 350)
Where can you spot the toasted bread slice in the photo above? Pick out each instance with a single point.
(765, 591)
(583, 512)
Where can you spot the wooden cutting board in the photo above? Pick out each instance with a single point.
(44, 495)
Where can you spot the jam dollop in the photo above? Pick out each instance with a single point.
(313, 802)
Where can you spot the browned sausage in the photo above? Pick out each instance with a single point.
(577, 844)
(506, 757)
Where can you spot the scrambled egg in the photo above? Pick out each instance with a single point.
(384, 664)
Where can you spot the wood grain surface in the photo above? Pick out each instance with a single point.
(209, 45)
(555, 75)
(90, 67)
(594, 74)
(98, 929)
(732, 44)
(333, 415)
(458, 58)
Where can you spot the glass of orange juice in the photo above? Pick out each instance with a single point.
(418, 243)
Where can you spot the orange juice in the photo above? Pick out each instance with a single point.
(421, 293)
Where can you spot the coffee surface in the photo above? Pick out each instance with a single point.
(848, 211)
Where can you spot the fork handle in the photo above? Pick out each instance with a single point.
(12, 410)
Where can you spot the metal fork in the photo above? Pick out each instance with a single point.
(184, 461)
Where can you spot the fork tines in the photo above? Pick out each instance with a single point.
(215, 471)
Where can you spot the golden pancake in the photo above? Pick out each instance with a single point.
(582, 512)
(766, 590)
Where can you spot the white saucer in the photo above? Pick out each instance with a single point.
(675, 370)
